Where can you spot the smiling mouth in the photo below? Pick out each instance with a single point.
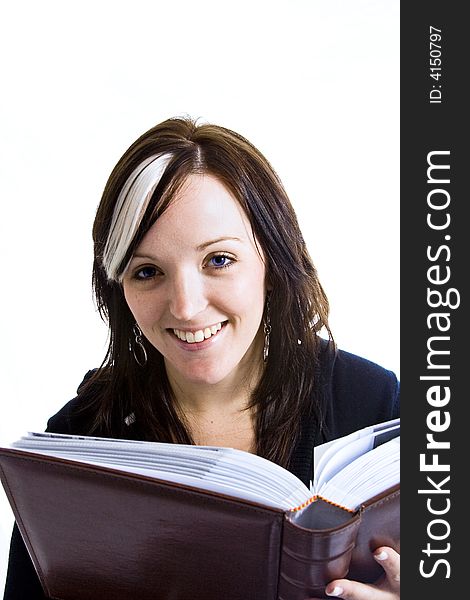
(199, 335)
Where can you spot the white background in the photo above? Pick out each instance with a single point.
(314, 85)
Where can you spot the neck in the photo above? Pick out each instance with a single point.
(218, 414)
(228, 395)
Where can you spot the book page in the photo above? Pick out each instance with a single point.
(331, 457)
(223, 470)
(365, 477)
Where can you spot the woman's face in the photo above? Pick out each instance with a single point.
(196, 286)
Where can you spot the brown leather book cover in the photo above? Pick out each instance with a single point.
(94, 531)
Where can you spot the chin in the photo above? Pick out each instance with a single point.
(205, 377)
(206, 372)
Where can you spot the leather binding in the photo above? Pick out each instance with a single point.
(94, 531)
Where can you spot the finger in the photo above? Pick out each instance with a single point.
(390, 562)
(351, 590)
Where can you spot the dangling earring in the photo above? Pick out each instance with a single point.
(139, 344)
(267, 330)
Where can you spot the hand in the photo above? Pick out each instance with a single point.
(385, 588)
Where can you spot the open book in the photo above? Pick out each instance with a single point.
(130, 517)
(347, 471)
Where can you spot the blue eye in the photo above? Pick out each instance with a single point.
(146, 273)
(219, 261)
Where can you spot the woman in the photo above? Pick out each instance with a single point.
(202, 273)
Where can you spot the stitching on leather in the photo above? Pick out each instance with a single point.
(383, 500)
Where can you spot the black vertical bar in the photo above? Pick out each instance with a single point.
(434, 292)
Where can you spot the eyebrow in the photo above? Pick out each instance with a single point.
(220, 239)
(199, 248)
(142, 256)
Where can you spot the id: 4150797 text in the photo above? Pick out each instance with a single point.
(435, 64)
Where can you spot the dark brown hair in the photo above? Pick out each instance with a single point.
(298, 306)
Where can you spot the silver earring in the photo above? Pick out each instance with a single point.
(267, 331)
(138, 344)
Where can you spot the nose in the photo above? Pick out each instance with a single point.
(187, 296)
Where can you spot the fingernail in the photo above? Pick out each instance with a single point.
(336, 591)
(381, 555)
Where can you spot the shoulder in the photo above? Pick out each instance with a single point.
(359, 392)
(73, 417)
(358, 375)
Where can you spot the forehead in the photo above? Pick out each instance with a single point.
(203, 208)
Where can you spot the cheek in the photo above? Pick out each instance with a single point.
(141, 306)
(247, 295)
(256, 285)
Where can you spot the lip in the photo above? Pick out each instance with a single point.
(198, 346)
(201, 328)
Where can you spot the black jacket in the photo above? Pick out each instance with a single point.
(354, 393)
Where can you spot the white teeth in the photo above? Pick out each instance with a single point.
(197, 336)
